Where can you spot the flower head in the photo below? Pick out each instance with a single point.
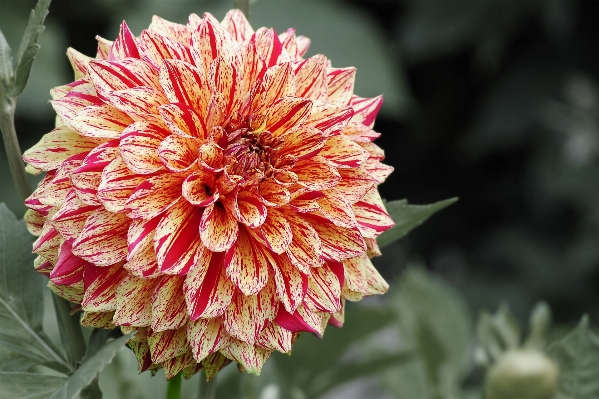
(211, 189)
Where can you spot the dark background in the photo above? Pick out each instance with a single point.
(495, 102)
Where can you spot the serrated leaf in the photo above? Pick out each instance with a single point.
(5, 62)
(435, 323)
(29, 385)
(577, 356)
(408, 217)
(22, 341)
(28, 48)
(89, 369)
(498, 332)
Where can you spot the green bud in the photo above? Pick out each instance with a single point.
(522, 374)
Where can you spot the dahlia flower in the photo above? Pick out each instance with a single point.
(210, 189)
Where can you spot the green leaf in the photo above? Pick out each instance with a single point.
(28, 49)
(29, 385)
(98, 339)
(408, 217)
(497, 333)
(22, 341)
(5, 62)
(435, 323)
(577, 356)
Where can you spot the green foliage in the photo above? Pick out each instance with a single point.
(408, 217)
(22, 341)
(5, 61)
(435, 323)
(577, 355)
(28, 49)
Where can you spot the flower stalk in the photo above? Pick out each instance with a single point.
(173, 390)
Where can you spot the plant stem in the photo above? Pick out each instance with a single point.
(173, 390)
(207, 388)
(70, 330)
(244, 6)
(13, 151)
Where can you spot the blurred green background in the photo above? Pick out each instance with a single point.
(496, 102)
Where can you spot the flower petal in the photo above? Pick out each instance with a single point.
(178, 153)
(139, 147)
(324, 288)
(154, 196)
(185, 83)
(103, 240)
(338, 243)
(276, 338)
(102, 122)
(218, 228)
(291, 284)
(287, 113)
(169, 311)
(108, 76)
(310, 78)
(183, 121)
(101, 287)
(247, 264)
(305, 250)
(237, 25)
(343, 152)
(155, 48)
(371, 214)
(125, 45)
(365, 109)
(139, 101)
(165, 345)
(207, 336)
(133, 302)
(117, 184)
(340, 84)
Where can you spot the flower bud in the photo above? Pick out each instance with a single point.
(522, 374)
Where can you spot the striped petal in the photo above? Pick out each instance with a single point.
(139, 147)
(155, 48)
(169, 311)
(101, 287)
(247, 264)
(376, 283)
(207, 336)
(47, 244)
(275, 338)
(87, 177)
(343, 152)
(218, 228)
(139, 101)
(133, 302)
(183, 121)
(354, 183)
(101, 122)
(371, 214)
(311, 79)
(69, 268)
(302, 320)
(117, 184)
(103, 240)
(301, 143)
(154, 196)
(214, 363)
(291, 284)
(329, 119)
(57, 146)
(324, 288)
(79, 62)
(178, 153)
(171, 30)
(109, 76)
(340, 85)
(176, 240)
(208, 291)
(355, 274)
(379, 171)
(249, 357)
(278, 82)
(247, 316)
(185, 83)
(316, 173)
(287, 113)
(167, 344)
(267, 45)
(98, 320)
(71, 217)
(338, 243)
(208, 42)
(276, 231)
(305, 250)
(249, 209)
(199, 188)
(141, 257)
(365, 109)
(237, 25)
(125, 45)
(224, 79)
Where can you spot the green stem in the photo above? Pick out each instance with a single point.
(244, 6)
(13, 151)
(173, 390)
(70, 330)
(210, 389)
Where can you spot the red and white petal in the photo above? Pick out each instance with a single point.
(165, 345)
(360, 133)
(249, 209)
(379, 171)
(87, 177)
(376, 283)
(199, 188)
(109, 76)
(340, 84)
(338, 318)
(47, 244)
(276, 231)
(139, 101)
(183, 121)
(338, 243)
(155, 48)
(101, 122)
(273, 194)
(73, 293)
(35, 221)
(366, 109)
(212, 157)
(171, 30)
(224, 79)
(343, 152)
(184, 364)
(69, 268)
(335, 208)
(371, 214)
(125, 45)
(57, 146)
(354, 184)
(104, 46)
(291, 284)
(355, 274)
(301, 143)
(133, 302)
(247, 264)
(287, 113)
(289, 43)
(208, 42)
(169, 310)
(324, 288)
(218, 228)
(311, 79)
(176, 239)
(302, 320)
(207, 336)
(117, 184)
(139, 147)
(250, 358)
(249, 65)
(79, 62)
(247, 316)
(71, 217)
(98, 320)
(316, 173)
(267, 45)
(184, 83)
(101, 287)
(329, 119)
(208, 291)
(275, 338)
(154, 196)
(143, 263)
(214, 363)
(278, 82)
(302, 45)
(103, 240)
(70, 106)
(237, 25)
(305, 250)
(178, 153)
